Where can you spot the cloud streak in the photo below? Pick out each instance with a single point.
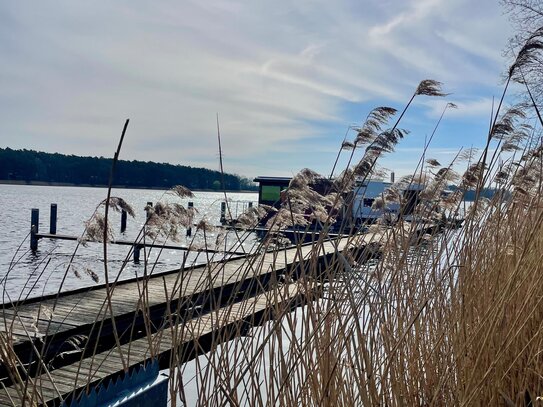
(284, 80)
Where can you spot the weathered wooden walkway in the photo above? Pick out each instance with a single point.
(60, 343)
(191, 338)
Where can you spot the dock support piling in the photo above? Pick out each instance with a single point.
(223, 213)
(137, 251)
(53, 219)
(149, 205)
(189, 229)
(123, 221)
(34, 228)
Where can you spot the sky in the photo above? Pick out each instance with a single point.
(286, 78)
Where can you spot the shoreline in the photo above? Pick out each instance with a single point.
(66, 184)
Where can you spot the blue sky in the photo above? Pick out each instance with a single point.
(285, 77)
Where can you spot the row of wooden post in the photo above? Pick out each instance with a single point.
(35, 225)
(223, 211)
(35, 222)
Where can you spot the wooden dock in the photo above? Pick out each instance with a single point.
(242, 291)
(193, 337)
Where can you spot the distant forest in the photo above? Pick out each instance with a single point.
(35, 166)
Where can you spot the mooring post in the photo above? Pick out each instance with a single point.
(189, 229)
(223, 212)
(123, 220)
(137, 250)
(34, 228)
(53, 219)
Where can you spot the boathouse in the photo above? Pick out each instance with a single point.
(269, 189)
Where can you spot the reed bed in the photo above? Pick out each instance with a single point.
(449, 317)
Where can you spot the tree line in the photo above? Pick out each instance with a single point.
(29, 165)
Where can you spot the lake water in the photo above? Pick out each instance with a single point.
(23, 273)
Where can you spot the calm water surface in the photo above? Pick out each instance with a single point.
(24, 273)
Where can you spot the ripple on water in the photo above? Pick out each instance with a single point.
(41, 273)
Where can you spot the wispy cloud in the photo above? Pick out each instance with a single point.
(285, 80)
(415, 13)
(478, 108)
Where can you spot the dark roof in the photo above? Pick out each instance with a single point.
(272, 179)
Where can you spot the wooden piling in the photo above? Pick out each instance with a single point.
(223, 212)
(137, 251)
(53, 219)
(34, 228)
(123, 221)
(189, 229)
